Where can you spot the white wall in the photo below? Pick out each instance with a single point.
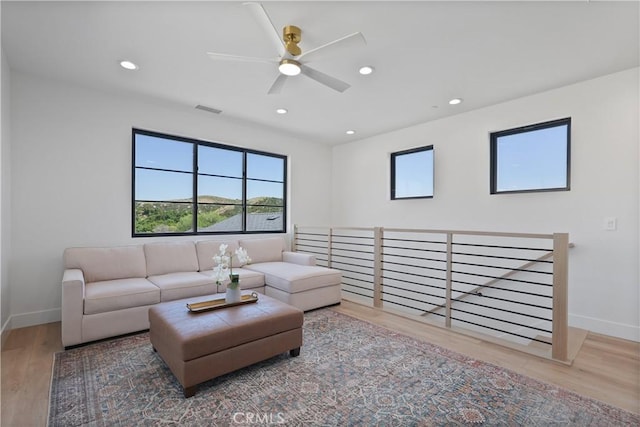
(70, 184)
(71, 177)
(603, 282)
(5, 193)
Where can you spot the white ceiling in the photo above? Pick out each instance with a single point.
(424, 54)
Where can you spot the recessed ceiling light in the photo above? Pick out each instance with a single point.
(128, 65)
(455, 101)
(366, 70)
(350, 132)
(282, 111)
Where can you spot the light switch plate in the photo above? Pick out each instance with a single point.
(610, 223)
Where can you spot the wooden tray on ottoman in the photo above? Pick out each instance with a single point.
(215, 304)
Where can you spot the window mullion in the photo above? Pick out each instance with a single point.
(244, 192)
(194, 199)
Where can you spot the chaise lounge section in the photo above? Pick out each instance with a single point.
(108, 291)
(293, 277)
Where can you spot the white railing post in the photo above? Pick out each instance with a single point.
(560, 323)
(377, 267)
(448, 280)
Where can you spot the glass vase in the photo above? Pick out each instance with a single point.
(233, 289)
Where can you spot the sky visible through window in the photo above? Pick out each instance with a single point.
(159, 153)
(414, 174)
(532, 160)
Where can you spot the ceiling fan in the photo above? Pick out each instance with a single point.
(291, 61)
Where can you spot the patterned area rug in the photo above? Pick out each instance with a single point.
(349, 373)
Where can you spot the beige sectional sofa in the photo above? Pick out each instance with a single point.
(108, 291)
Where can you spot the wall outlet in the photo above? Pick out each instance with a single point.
(610, 223)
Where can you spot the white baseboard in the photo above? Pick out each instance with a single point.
(6, 328)
(605, 327)
(35, 318)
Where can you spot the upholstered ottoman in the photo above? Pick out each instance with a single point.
(201, 346)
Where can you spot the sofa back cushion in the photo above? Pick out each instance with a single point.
(207, 249)
(170, 257)
(264, 249)
(99, 264)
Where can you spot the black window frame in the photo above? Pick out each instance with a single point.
(493, 141)
(195, 174)
(393, 157)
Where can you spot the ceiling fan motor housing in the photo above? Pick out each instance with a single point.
(292, 36)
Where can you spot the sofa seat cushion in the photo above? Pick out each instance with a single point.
(293, 278)
(249, 279)
(308, 300)
(111, 295)
(183, 285)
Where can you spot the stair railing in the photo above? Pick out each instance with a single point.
(508, 288)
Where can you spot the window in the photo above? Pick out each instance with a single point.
(412, 173)
(531, 158)
(184, 186)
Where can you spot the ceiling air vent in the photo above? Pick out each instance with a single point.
(209, 109)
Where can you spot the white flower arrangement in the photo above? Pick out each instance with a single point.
(224, 265)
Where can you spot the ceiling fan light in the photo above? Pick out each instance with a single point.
(289, 67)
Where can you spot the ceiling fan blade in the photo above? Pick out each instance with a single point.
(324, 79)
(226, 57)
(276, 87)
(342, 44)
(264, 21)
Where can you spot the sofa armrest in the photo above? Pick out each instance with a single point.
(72, 306)
(298, 258)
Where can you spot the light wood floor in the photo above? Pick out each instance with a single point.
(606, 369)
